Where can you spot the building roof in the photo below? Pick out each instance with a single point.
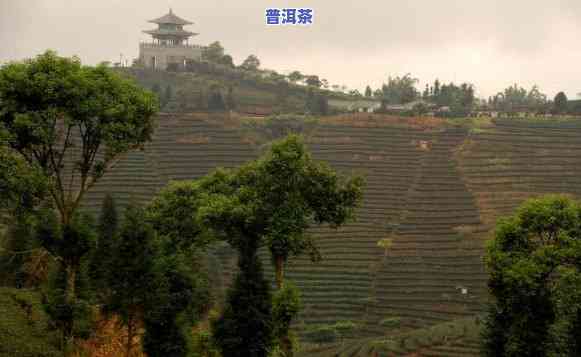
(170, 33)
(170, 18)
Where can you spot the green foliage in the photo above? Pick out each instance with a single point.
(214, 52)
(24, 325)
(560, 103)
(69, 318)
(17, 247)
(286, 305)
(514, 98)
(70, 243)
(345, 328)
(391, 322)
(533, 265)
(400, 90)
(22, 184)
(48, 100)
(102, 255)
(251, 63)
(167, 319)
(246, 325)
(133, 273)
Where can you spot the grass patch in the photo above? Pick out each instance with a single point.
(24, 326)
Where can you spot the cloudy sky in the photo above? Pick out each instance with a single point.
(490, 43)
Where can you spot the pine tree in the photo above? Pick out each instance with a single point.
(168, 322)
(101, 258)
(132, 275)
(368, 91)
(246, 326)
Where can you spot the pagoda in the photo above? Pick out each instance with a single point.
(170, 45)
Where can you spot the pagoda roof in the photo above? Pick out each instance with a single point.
(170, 18)
(178, 33)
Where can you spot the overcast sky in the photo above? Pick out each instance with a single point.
(490, 43)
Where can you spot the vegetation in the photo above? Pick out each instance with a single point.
(533, 278)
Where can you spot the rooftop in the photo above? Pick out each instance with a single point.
(163, 32)
(170, 18)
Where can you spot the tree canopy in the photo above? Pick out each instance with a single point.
(534, 261)
(51, 104)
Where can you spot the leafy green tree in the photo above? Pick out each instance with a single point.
(400, 90)
(295, 76)
(561, 103)
(167, 321)
(271, 201)
(214, 52)
(101, 257)
(436, 88)
(533, 262)
(313, 81)
(227, 60)
(246, 327)
(290, 192)
(70, 244)
(18, 245)
(251, 63)
(132, 271)
(368, 92)
(49, 105)
(22, 184)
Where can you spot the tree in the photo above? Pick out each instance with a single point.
(101, 257)
(400, 90)
(227, 60)
(268, 202)
(51, 102)
(214, 52)
(533, 262)
(436, 88)
(251, 63)
(295, 76)
(560, 103)
(286, 305)
(246, 325)
(69, 243)
(368, 92)
(313, 81)
(132, 272)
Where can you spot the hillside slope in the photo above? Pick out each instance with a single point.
(434, 188)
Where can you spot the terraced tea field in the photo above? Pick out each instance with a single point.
(435, 190)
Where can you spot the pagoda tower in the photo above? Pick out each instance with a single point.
(170, 45)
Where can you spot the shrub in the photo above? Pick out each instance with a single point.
(391, 322)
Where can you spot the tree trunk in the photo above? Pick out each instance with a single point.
(279, 267)
(285, 341)
(130, 334)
